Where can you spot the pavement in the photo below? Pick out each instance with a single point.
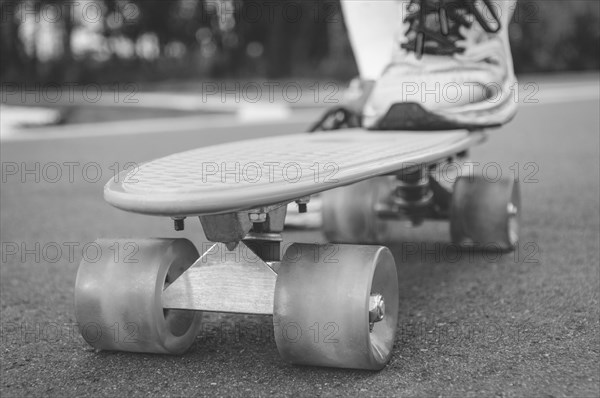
(470, 324)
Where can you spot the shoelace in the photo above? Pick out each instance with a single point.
(434, 24)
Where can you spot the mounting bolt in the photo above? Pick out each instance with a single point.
(302, 204)
(258, 217)
(179, 224)
(376, 308)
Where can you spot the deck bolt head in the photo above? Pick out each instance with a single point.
(302, 204)
(513, 223)
(376, 308)
(179, 224)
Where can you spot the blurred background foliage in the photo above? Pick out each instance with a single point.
(105, 41)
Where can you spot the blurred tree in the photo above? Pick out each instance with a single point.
(12, 51)
(556, 35)
(139, 40)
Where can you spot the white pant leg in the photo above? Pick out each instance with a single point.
(372, 27)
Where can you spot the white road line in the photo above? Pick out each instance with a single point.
(548, 93)
(147, 126)
(560, 94)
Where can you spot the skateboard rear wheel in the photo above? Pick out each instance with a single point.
(324, 303)
(485, 214)
(118, 296)
(349, 214)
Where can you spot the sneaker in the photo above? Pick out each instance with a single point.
(452, 69)
(348, 114)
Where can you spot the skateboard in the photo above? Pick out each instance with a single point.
(333, 304)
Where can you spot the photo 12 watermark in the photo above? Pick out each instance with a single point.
(68, 252)
(290, 92)
(69, 93)
(289, 172)
(71, 172)
(523, 252)
(246, 11)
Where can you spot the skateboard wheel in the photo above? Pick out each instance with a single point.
(485, 214)
(349, 214)
(118, 296)
(327, 299)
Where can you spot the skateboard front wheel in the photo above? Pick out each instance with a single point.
(349, 213)
(118, 296)
(485, 214)
(336, 305)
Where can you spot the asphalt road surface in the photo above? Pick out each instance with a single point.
(471, 324)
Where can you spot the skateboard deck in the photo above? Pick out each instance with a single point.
(259, 172)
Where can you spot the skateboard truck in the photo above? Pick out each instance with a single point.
(412, 195)
(224, 280)
(241, 278)
(259, 228)
(417, 195)
(237, 273)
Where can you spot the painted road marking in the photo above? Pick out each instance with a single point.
(252, 114)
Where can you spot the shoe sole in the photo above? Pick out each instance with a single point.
(412, 116)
